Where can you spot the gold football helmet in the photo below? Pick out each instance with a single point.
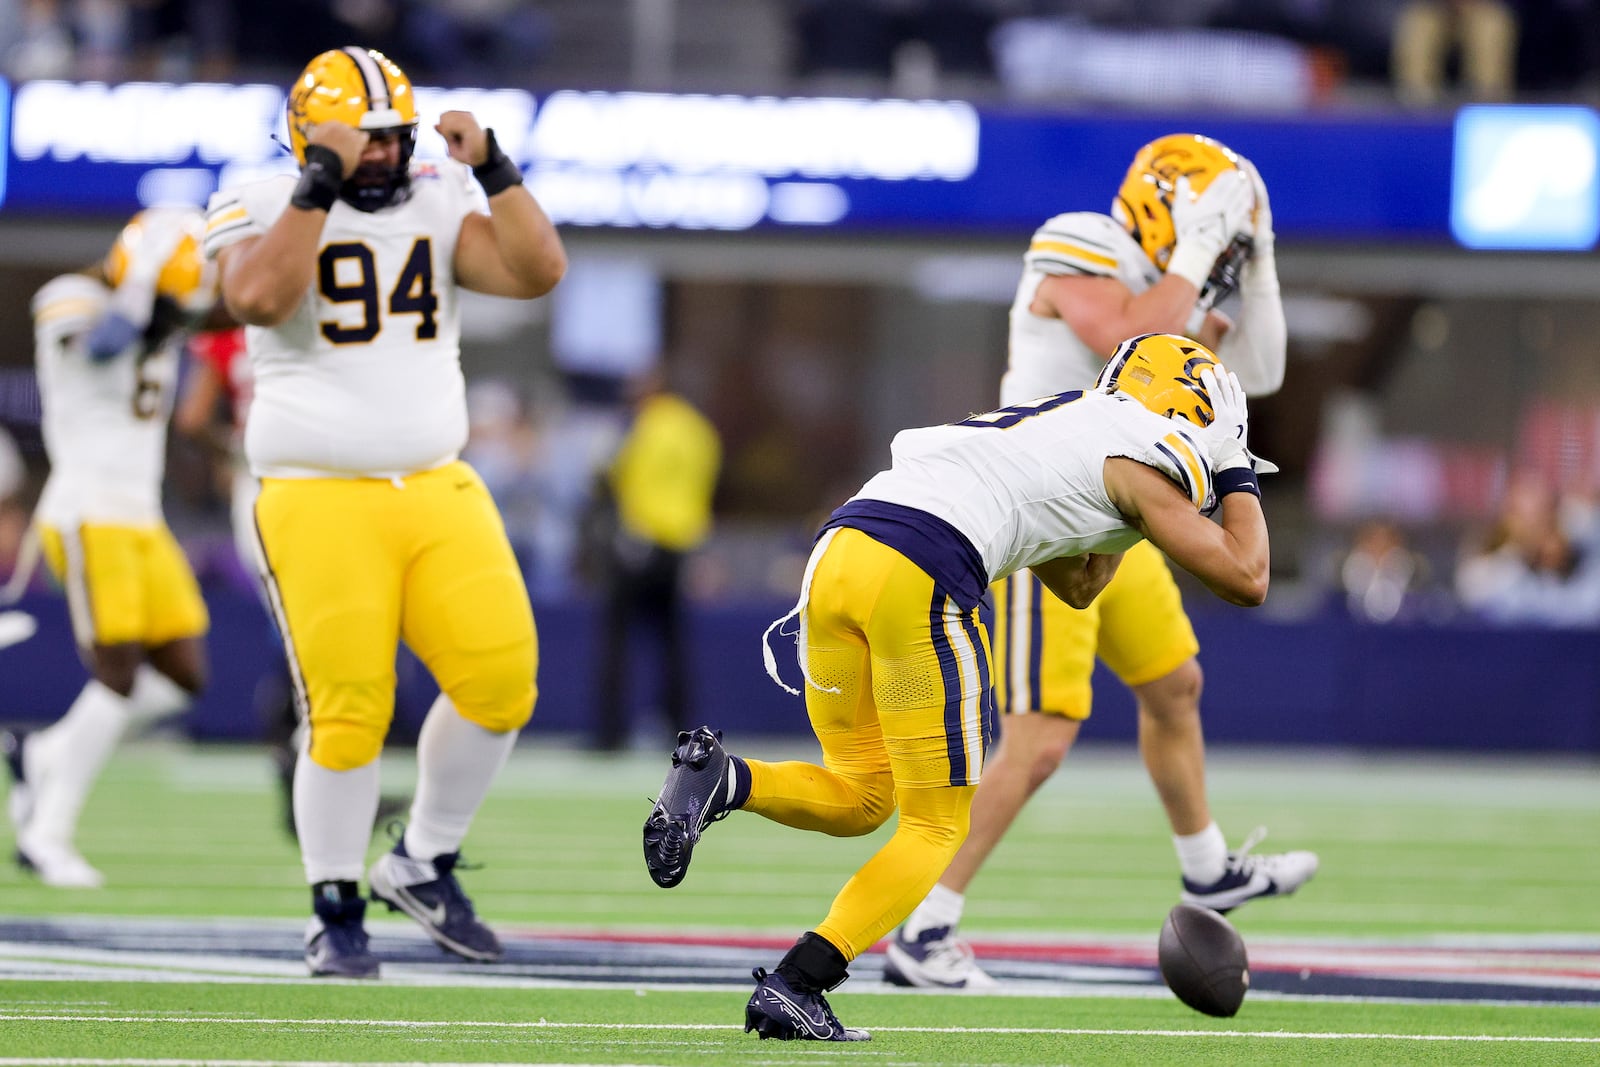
(186, 277)
(1144, 201)
(1162, 372)
(365, 89)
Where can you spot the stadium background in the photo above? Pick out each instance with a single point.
(1436, 352)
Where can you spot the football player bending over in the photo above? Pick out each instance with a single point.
(895, 657)
(371, 529)
(1190, 223)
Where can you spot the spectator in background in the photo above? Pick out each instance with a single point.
(1539, 564)
(1481, 33)
(654, 507)
(1381, 576)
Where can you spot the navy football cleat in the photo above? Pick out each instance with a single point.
(336, 941)
(427, 891)
(776, 1010)
(698, 791)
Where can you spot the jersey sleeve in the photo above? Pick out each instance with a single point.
(1183, 459)
(67, 305)
(244, 211)
(1079, 242)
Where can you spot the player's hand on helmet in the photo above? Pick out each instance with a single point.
(1213, 218)
(465, 140)
(111, 336)
(1261, 223)
(1227, 436)
(344, 140)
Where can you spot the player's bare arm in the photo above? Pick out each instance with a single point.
(1104, 311)
(515, 251)
(1077, 580)
(265, 278)
(1231, 558)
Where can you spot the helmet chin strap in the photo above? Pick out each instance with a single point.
(394, 189)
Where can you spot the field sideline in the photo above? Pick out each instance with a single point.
(1452, 922)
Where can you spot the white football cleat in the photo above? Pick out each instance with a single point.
(936, 959)
(58, 864)
(1249, 876)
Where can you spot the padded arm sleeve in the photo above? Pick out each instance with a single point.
(1256, 348)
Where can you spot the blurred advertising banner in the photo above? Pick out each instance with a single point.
(1505, 178)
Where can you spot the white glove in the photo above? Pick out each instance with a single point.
(1227, 438)
(1261, 227)
(1205, 224)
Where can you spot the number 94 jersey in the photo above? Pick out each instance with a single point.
(364, 378)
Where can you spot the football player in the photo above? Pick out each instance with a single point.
(1190, 224)
(893, 653)
(107, 342)
(371, 530)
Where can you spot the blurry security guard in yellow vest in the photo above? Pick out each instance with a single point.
(658, 493)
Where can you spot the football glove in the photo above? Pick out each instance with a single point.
(1227, 437)
(1261, 227)
(1205, 225)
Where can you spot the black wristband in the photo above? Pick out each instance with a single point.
(497, 172)
(1236, 480)
(320, 180)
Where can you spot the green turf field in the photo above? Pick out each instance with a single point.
(1413, 850)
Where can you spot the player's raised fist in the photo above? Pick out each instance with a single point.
(343, 139)
(465, 140)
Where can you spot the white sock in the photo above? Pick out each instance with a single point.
(155, 696)
(64, 760)
(941, 907)
(1203, 856)
(333, 813)
(457, 761)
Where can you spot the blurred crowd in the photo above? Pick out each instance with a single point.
(1248, 53)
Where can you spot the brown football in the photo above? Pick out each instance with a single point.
(1203, 960)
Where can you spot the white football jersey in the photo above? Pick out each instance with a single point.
(105, 424)
(1026, 483)
(1045, 355)
(364, 379)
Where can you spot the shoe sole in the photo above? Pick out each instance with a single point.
(668, 839)
(398, 899)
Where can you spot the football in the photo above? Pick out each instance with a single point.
(1203, 960)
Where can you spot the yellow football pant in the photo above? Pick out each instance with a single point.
(898, 695)
(353, 566)
(125, 584)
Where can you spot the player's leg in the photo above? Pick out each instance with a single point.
(930, 705)
(333, 561)
(1147, 641)
(1044, 656)
(851, 794)
(466, 615)
(128, 589)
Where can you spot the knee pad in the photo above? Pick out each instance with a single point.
(497, 704)
(344, 746)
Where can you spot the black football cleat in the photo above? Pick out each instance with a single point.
(698, 791)
(777, 1010)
